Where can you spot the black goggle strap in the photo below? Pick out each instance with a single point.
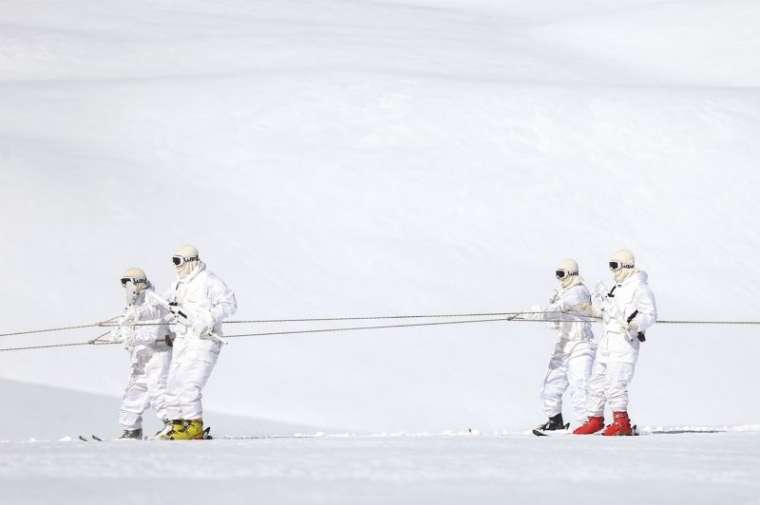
(614, 265)
(181, 260)
(125, 280)
(560, 274)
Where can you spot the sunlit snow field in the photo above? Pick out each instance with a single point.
(449, 469)
(355, 157)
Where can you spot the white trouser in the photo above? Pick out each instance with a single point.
(570, 365)
(609, 384)
(147, 386)
(193, 360)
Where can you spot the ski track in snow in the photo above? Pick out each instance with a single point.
(442, 469)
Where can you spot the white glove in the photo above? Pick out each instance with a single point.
(553, 316)
(130, 316)
(584, 309)
(600, 292)
(202, 323)
(554, 298)
(633, 331)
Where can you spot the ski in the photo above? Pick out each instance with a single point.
(91, 438)
(551, 433)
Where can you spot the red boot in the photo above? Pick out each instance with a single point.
(621, 425)
(591, 426)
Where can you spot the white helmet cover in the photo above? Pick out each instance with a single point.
(567, 272)
(624, 262)
(185, 260)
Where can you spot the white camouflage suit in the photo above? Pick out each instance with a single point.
(149, 363)
(203, 297)
(573, 357)
(619, 345)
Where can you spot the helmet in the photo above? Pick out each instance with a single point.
(622, 259)
(567, 273)
(622, 265)
(134, 275)
(567, 267)
(135, 282)
(183, 254)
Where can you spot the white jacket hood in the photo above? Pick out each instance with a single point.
(638, 276)
(187, 274)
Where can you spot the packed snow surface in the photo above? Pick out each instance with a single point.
(449, 469)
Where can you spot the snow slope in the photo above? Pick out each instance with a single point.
(337, 157)
(46, 413)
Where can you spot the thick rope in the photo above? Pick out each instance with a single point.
(357, 318)
(379, 318)
(359, 328)
(50, 330)
(582, 318)
(106, 323)
(54, 346)
(289, 332)
(725, 323)
(94, 341)
(509, 316)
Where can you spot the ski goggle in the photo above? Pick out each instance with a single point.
(561, 274)
(125, 280)
(616, 265)
(181, 260)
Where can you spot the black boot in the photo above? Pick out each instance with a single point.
(554, 423)
(131, 434)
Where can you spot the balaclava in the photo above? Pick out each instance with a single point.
(185, 260)
(567, 273)
(624, 264)
(135, 282)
